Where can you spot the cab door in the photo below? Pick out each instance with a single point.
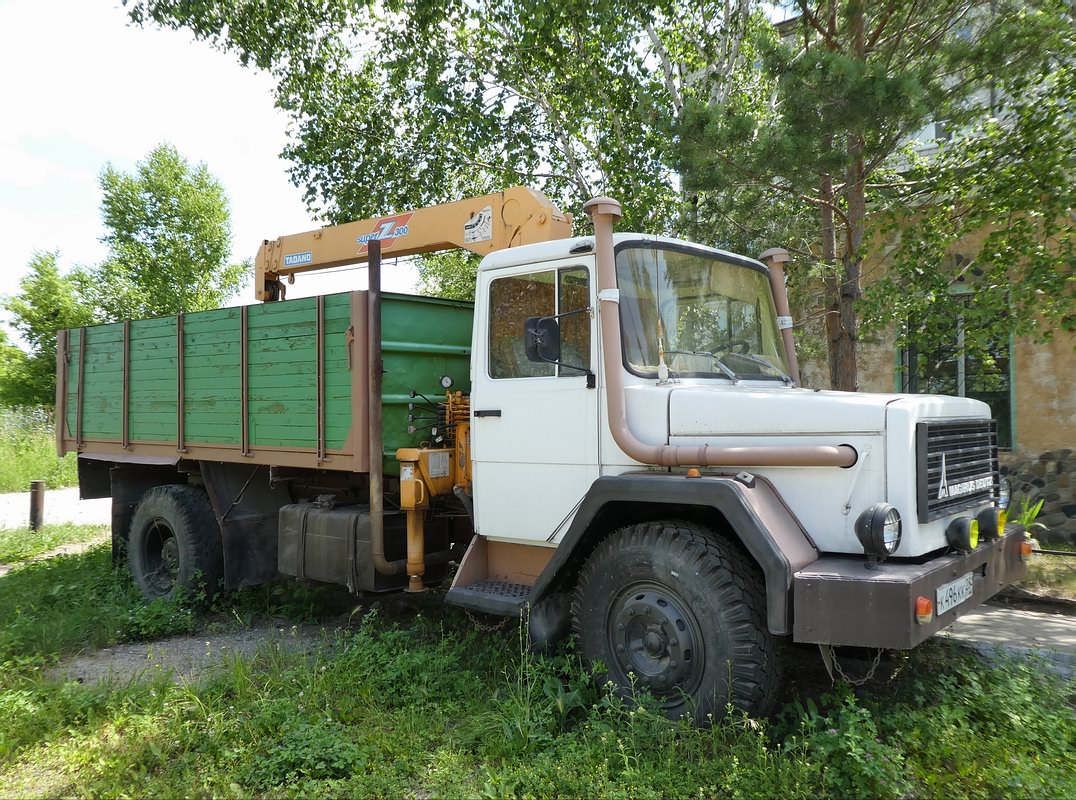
(534, 425)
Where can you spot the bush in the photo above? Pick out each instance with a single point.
(28, 452)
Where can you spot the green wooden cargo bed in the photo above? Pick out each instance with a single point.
(280, 383)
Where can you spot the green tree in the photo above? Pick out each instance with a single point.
(46, 302)
(440, 99)
(852, 82)
(452, 274)
(12, 364)
(1001, 198)
(169, 240)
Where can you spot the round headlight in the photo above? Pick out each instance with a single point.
(1004, 493)
(891, 530)
(878, 530)
(963, 534)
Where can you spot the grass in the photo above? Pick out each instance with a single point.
(414, 699)
(19, 544)
(1052, 576)
(28, 452)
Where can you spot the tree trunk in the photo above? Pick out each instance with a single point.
(844, 370)
(832, 286)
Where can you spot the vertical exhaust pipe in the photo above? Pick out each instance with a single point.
(775, 259)
(376, 441)
(373, 404)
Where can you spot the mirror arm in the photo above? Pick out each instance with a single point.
(592, 380)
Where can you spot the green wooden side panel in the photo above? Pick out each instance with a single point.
(102, 387)
(337, 370)
(152, 393)
(211, 378)
(423, 339)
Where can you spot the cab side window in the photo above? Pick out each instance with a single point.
(539, 294)
(573, 294)
(511, 301)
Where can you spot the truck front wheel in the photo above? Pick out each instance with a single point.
(175, 542)
(668, 607)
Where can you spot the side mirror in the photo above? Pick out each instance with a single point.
(541, 336)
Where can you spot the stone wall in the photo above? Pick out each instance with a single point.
(1049, 477)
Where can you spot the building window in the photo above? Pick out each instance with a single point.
(947, 369)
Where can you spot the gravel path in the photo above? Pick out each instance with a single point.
(186, 658)
(61, 505)
(1050, 635)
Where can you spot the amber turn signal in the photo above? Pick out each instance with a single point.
(924, 610)
(1025, 550)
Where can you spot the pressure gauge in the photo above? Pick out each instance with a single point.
(446, 381)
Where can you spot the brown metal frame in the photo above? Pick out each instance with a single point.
(244, 410)
(319, 337)
(81, 386)
(181, 387)
(60, 418)
(125, 436)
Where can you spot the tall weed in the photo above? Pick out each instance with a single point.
(28, 451)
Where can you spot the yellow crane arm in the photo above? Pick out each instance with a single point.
(514, 217)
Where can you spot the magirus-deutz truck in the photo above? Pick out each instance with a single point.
(611, 437)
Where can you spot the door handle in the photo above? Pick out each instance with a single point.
(487, 412)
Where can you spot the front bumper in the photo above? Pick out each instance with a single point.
(838, 601)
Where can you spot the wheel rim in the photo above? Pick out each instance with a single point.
(160, 557)
(654, 636)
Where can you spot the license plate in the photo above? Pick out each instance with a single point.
(954, 593)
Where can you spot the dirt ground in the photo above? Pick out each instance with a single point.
(62, 550)
(186, 658)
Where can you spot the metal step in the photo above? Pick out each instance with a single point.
(491, 596)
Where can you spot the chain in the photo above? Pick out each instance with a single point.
(829, 657)
(496, 626)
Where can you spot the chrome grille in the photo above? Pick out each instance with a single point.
(956, 465)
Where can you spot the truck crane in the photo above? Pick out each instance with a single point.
(611, 437)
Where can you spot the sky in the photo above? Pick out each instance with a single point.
(81, 88)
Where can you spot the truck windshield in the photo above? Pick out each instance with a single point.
(707, 318)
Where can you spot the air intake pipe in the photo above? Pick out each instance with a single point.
(604, 212)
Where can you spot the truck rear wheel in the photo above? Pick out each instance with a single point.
(175, 542)
(670, 608)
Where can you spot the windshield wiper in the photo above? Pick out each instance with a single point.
(758, 360)
(717, 362)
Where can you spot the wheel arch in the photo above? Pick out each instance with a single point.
(747, 510)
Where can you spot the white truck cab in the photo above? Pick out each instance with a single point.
(637, 420)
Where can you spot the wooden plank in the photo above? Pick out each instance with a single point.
(321, 377)
(126, 422)
(244, 367)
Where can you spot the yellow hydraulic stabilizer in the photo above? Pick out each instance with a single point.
(511, 218)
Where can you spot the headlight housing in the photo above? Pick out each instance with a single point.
(963, 534)
(991, 522)
(879, 530)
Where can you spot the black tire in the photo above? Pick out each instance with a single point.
(684, 612)
(175, 543)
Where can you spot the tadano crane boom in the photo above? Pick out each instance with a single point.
(514, 217)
